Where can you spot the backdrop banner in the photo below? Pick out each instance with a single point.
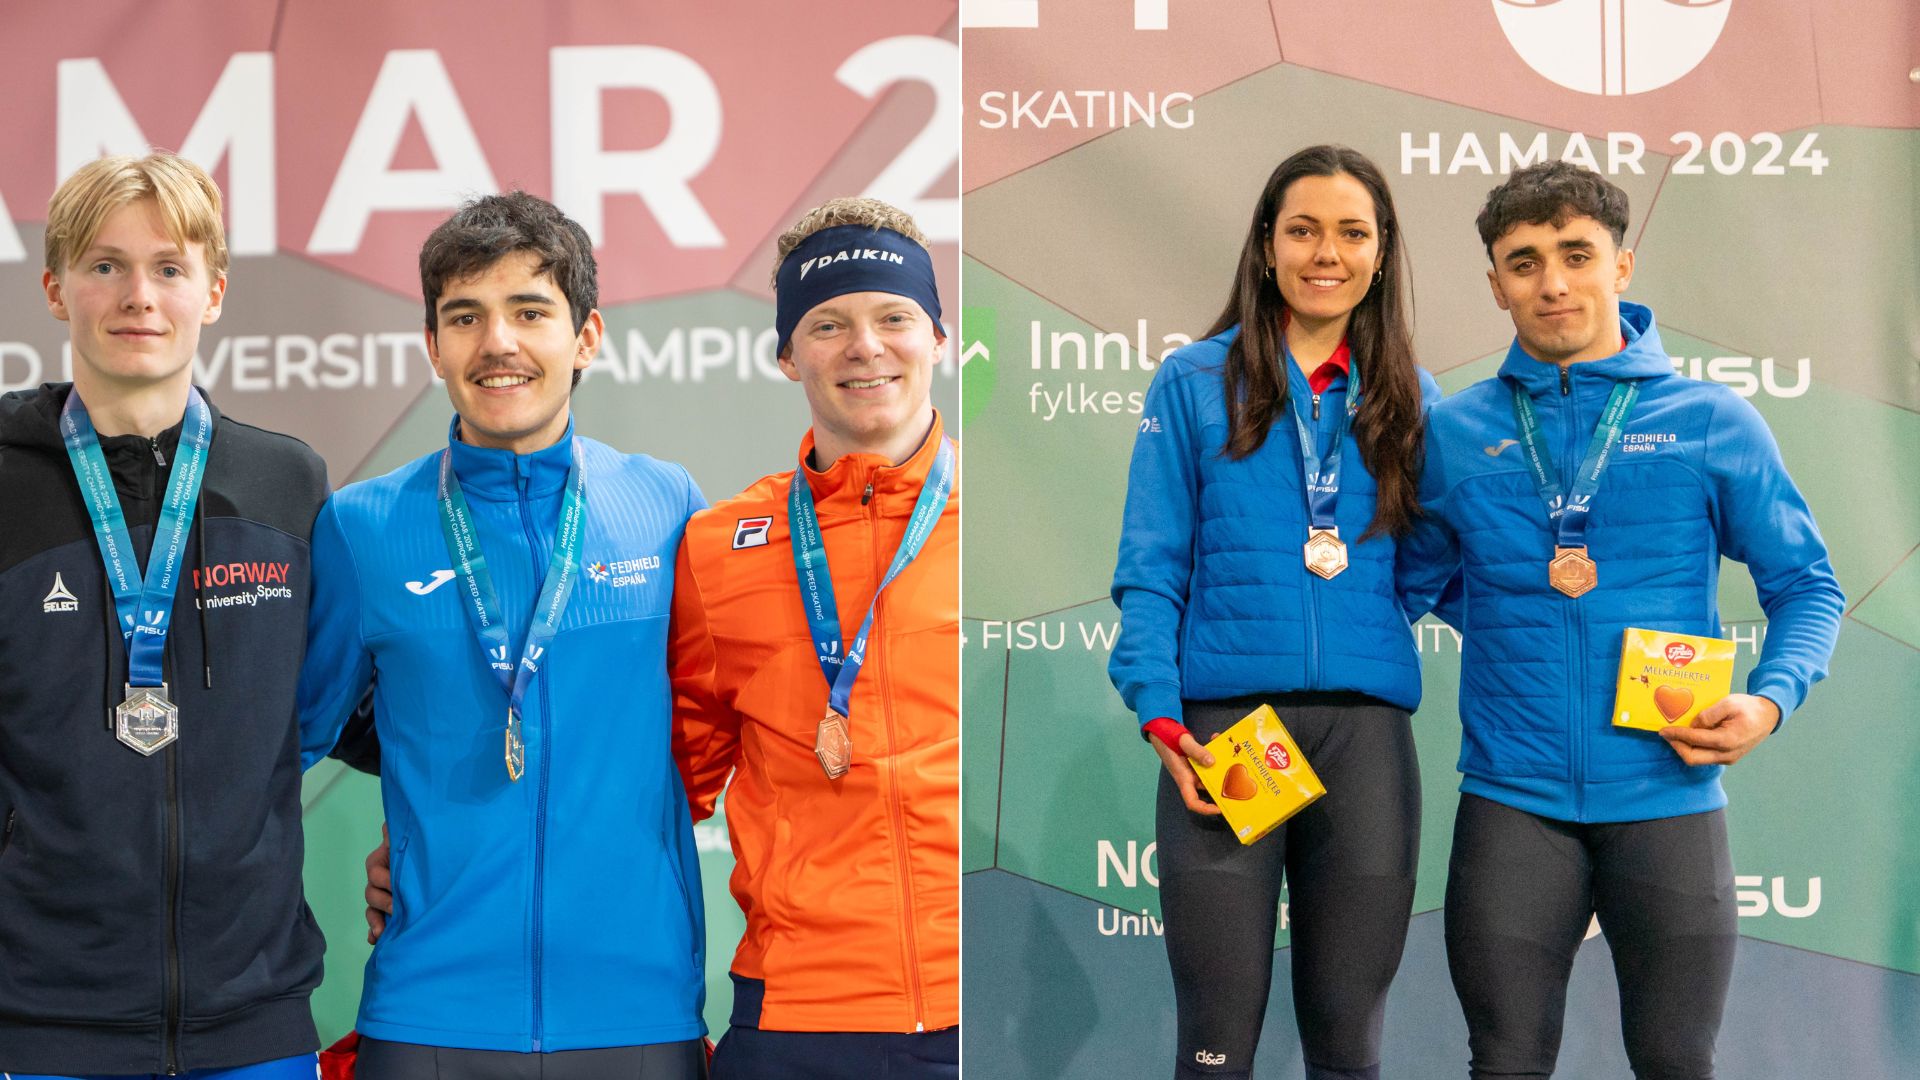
(1114, 150)
(683, 137)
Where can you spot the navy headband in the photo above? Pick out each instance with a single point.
(849, 259)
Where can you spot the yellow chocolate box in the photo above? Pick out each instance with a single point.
(1667, 679)
(1259, 778)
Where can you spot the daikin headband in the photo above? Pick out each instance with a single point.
(849, 259)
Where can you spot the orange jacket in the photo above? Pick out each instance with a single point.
(851, 887)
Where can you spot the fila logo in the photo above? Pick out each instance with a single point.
(751, 532)
(850, 253)
(1612, 47)
(498, 657)
(1501, 447)
(58, 598)
(422, 588)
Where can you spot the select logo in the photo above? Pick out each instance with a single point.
(1612, 47)
(59, 598)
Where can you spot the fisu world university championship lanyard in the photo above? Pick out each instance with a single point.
(1572, 570)
(833, 744)
(1325, 552)
(483, 603)
(146, 720)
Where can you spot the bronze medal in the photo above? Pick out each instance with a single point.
(1326, 553)
(1571, 571)
(832, 745)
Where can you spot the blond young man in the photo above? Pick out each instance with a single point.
(151, 912)
(815, 660)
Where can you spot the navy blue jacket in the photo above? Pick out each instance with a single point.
(1697, 477)
(151, 912)
(1215, 599)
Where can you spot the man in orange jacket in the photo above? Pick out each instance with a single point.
(815, 657)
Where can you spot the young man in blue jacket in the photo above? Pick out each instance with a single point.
(507, 597)
(1585, 489)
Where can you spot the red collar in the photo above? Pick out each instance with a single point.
(1340, 363)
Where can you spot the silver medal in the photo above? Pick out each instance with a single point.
(146, 720)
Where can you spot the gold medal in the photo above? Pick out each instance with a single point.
(1326, 553)
(832, 745)
(1571, 571)
(516, 747)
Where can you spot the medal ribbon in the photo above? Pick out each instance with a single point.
(145, 603)
(1323, 476)
(483, 603)
(1568, 512)
(816, 582)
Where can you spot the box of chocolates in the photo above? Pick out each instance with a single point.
(1259, 778)
(1666, 679)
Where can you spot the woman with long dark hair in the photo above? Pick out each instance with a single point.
(1277, 464)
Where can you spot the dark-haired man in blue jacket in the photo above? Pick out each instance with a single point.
(1586, 489)
(507, 598)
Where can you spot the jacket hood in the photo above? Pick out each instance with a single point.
(1643, 358)
(31, 419)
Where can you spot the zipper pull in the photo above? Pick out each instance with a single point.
(6, 838)
(1566, 380)
(1316, 408)
(866, 495)
(159, 458)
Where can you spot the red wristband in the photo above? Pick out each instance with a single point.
(1166, 729)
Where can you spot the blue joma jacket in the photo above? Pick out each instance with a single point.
(1697, 476)
(561, 912)
(1215, 599)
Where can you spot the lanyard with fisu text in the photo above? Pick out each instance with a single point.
(1325, 552)
(1572, 570)
(483, 604)
(146, 720)
(841, 661)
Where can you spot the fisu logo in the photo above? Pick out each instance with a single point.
(1612, 47)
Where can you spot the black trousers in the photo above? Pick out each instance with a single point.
(1521, 890)
(383, 1060)
(748, 1053)
(1348, 862)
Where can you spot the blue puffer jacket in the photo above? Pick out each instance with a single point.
(561, 912)
(1697, 476)
(1214, 598)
